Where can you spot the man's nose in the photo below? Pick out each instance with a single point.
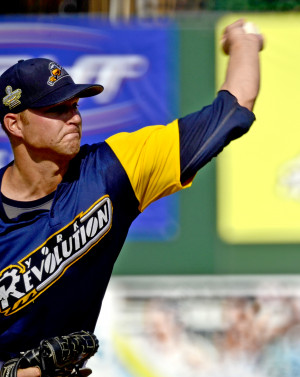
(74, 115)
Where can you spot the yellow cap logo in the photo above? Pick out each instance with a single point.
(12, 97)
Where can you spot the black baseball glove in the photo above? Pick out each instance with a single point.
(58, 356)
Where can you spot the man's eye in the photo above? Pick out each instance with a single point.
(60, 109)
(57, 109)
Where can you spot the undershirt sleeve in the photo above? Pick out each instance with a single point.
(205, 133)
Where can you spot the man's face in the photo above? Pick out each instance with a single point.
(52, 131)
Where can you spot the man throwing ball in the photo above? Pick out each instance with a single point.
(65, 209)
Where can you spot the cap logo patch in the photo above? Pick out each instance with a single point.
(12, 97)
(56, 72)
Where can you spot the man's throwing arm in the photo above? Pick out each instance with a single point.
(204, 134)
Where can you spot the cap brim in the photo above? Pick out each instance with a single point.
(67, 92)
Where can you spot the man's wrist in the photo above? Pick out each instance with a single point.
(246, 43)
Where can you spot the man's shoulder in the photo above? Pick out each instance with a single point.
(90, 150)
(86, 149)
(92, 155)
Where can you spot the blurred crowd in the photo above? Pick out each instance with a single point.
(258, 336)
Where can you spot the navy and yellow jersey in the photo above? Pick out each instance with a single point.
(152, 152)
(55, 264)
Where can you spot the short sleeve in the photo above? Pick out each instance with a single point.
(151, 159)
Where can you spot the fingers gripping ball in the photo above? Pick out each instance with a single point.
(239, 32)
(251, 28)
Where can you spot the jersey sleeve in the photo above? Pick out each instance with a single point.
(151, 159)
(205, 133)
(161, 160)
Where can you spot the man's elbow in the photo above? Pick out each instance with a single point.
(245, 97)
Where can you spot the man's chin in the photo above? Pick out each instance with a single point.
(72, 148)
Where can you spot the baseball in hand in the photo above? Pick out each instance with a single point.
(250, 28)
(239, 29)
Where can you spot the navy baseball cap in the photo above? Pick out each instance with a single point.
(39, 82)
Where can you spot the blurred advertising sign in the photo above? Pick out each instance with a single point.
(136, 62)
(258, 177)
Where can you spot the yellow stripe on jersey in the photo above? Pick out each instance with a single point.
(151, 159)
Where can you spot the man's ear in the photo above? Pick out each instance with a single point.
(12, 124)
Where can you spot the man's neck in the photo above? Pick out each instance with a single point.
(27, 184)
